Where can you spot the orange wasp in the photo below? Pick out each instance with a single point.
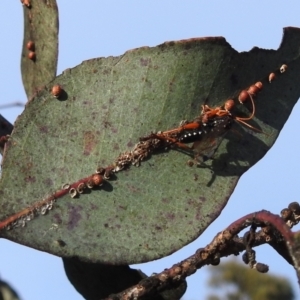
(205, 132)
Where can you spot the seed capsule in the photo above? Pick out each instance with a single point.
(31, 55)
(262, 268)
(253, 90)
(215, 262)
(30, 46)
(283, 68)
(108, 173)
(229, 104)
(100, 170)
(56, 91)
(90, 183)
(286, 213)
(190, 163)
(44, 210)
(26, 3)
(245, 258)
(259, 85)
(294, 207)
(73, 192)
(243, 96)
(272, 76)
(66, 186)
(80, 188)
(97, 179)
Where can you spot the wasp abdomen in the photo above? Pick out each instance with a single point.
(187, 137)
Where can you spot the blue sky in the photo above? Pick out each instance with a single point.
(104, 28)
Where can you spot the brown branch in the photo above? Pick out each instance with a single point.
(225, 243)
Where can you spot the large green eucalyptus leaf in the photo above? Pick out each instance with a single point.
(149, 211)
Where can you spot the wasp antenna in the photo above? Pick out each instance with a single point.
(253, 111)
(250, 126)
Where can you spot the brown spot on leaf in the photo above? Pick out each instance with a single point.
(122, 207)
(74, 216)
(44, 129)
(114, 130)
(89, 142)
(93, 206)
(116, 147)
(130, 144)
(171, 86)
(165, 200)
(133, 188)
(145, 61)
(30, 179)
(170, 216)
(57, 218)
(48, 182)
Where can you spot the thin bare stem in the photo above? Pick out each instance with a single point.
(12, 104)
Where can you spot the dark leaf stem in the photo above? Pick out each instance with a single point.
(5, 129)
